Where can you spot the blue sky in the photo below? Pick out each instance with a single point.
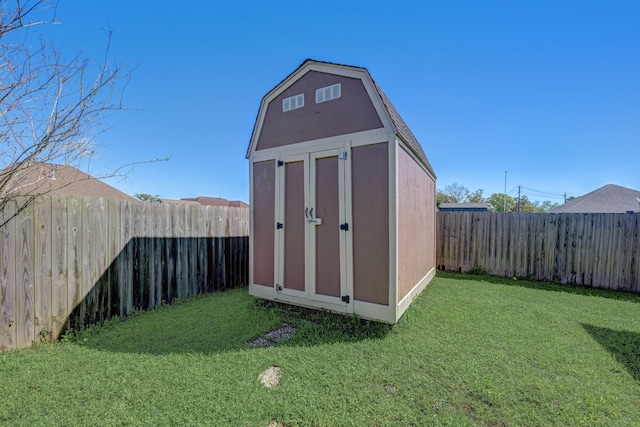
(546, 90)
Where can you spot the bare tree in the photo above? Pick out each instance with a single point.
(51, 108)
(457, 193)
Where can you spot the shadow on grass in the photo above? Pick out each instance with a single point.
(546, 286)
(623, 345)
(221, 322)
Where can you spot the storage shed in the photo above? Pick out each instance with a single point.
(342, 197)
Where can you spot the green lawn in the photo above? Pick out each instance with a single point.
(471, 350)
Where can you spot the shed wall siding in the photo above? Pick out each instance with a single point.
(370, 198)
(416, 223)
(352, 112)
(264, 196)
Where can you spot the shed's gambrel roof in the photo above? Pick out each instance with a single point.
(401, 128)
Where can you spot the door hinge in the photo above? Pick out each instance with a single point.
(279, 225)
(280, 163)
(345, 298)
(344, 226)
(342, 155)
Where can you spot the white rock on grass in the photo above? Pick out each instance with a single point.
(271, 376)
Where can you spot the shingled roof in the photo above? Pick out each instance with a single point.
(402, 130)
(463, 207)
(608, 199)
(216, 201)
(47, 178)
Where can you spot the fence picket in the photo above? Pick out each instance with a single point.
(192, 249)
(635, 263)
(114, 248)
(43, 266)
(170, 252)
(89, 265)
(24, 278)
(60, 264)
(8, 327)
(100, 247)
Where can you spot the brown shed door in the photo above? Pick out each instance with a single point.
(264, 192)
(294, 251)
(291, 262)
(326, 240)
(312, 244)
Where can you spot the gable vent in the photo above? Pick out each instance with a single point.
(293, 102)
(328, 93)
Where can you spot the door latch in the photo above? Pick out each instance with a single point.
(279, 225)
(344, 226)
(345, 298)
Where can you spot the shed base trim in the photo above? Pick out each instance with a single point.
(404, 303)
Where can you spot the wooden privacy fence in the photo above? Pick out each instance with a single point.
(70, 261)
(598, 250)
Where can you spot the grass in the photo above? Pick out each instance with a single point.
(471, 350)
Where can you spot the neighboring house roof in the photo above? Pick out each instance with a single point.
(47, 178)
(608, 199)
(401, 128)
(179, 202)
(463, 207)
(216, 201)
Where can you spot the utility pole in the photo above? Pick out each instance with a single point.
(519, 186)
(504, 207)
(565, 197)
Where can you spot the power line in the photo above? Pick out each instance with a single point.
(528, 191)
(513, 190)
(543, 193)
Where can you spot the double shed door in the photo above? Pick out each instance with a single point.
(313, 237)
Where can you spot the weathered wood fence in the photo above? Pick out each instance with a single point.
(70, 261)
(598, 250)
